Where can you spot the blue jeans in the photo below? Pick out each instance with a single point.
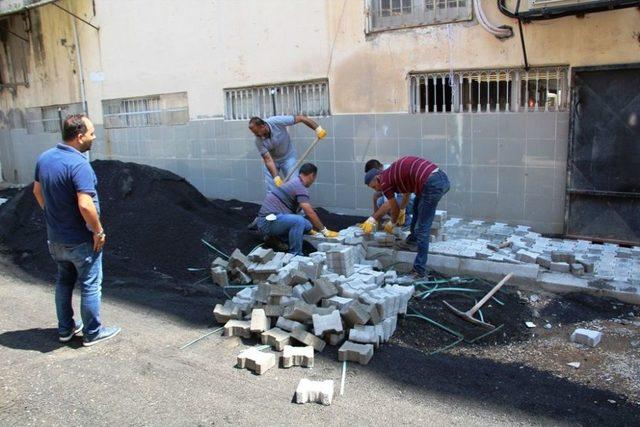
(286, 227)
(424, 209)
(284, 165)
(78, 263)
(408, 209)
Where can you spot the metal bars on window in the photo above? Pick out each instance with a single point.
(391, 14)
(154, 110)
(498, 90)
(307, 98)
(47, 119)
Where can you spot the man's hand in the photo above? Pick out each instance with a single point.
(277, 181)
(328, 233)
(98, 241)
(388, 227)
(402, 217)
(368, 225)
(320, 133)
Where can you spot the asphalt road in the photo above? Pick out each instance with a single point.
(142, 378)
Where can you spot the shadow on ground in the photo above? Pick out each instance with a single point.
(36, 339)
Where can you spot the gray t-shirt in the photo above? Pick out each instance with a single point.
(285, 199)
(279, 144)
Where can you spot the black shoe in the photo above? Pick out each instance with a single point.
(407, 246)
(276, 244)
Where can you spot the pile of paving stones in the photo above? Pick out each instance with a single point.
(299, 304)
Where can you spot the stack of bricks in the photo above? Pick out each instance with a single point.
(436, 234)
(306, 303)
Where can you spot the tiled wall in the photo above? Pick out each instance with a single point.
(507, 167)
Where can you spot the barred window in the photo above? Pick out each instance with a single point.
(500, 90)
(310, 98)
(153, 110)
(47, 119)
(392, 14)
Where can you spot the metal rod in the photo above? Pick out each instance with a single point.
(301, 159)
(344, 377)
(200, 338)
(76, 16)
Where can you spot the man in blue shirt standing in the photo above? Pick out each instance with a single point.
(275, 147)
(65, 188)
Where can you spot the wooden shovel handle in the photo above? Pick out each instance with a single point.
(489, 294)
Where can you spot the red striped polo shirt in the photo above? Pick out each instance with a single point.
(406, 175)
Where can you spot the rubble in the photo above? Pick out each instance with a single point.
(586, 337)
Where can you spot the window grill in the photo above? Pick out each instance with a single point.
(308, 98)
(47, 119)
(392, 14)
(498, 90)
(154, 110)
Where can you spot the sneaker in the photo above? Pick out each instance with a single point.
(408, 246)
(414, 275)
(104, 334)
(66, 337)
(276, 244)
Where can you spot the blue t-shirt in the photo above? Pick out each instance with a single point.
(279, 144)
(285, 199)
(62, 172)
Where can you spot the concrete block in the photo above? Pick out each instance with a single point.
(335, 338)
(237, 328)
(289, 325)
(448, 265)
(298, 290)
(589, 266)
(321, 289)
(543, 261)
(561, 267)
(259, 321)
(219, 262)
(297, 277)
(355, 314)
(337, 302)
(354, 352)
(577, 269)
(273, 310)
(364, 334)
(261, 255)
(329, 323)
(374, 314)
(311, 269)
(525, 275)
(280, 290)
(300, 312)
(563, 256)
(219, 276)
(226, 312)
(239, 261)
(527, 256)
(297, 356)
(586, 337)
(256, 360)
(314, 392)
(276, 338)
(308, 339)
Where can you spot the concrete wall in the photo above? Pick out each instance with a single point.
(505, 167)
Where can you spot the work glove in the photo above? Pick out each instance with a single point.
(313, 232)
(368, 225)
(277, 181)
(320, 133)
(402, 217)
(388, 227)
(328, 233)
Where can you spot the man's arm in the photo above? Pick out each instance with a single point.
(312, 216)
(311, 125)
(270, 164)
(405, 200)
(376, 196)
(90, 214)
(390, 205)
(37, 193)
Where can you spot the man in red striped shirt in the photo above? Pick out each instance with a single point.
(407, 175)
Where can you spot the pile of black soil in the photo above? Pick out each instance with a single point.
(8, 193)
(578, 307)
(421, 334)
(154, 222)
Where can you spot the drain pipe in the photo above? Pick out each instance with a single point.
(83, 94)
(501, 32)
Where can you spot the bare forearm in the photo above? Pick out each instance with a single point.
(311, 124)
(37, 193)
(405, 200)
(271, 166)
(382, 211)
(313, 217)
(90, 214)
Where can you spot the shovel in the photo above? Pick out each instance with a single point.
(301, 159)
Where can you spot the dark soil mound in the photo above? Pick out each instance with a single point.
(154, 221)
(578, 307)
(419, 333)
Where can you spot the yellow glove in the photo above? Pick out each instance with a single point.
(402, 217)
(388, 227)
(277, 181)
(368, 225)
(320, 133)
(328, 233)
(312, 232)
